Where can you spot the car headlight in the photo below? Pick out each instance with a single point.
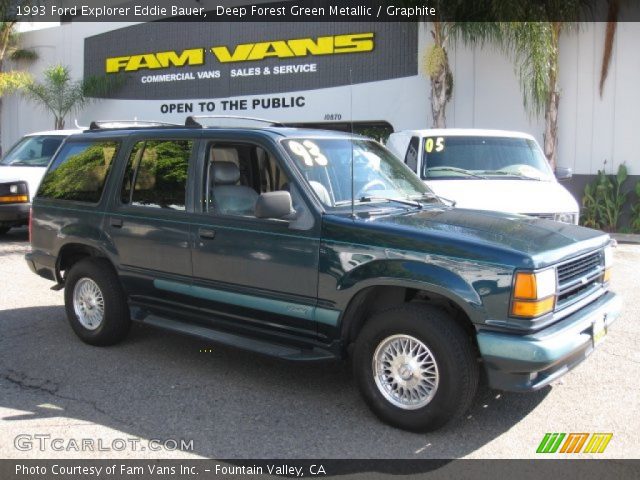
(565, 217)
(534, 293)
(14, 192)
(608, 263)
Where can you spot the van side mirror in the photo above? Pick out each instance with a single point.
(274, 205)
(563, 173)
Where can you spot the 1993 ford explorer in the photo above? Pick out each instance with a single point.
(248, 237)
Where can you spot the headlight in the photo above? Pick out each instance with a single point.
(565, 217)
(534, 293)
(608, 263)
(15, 192)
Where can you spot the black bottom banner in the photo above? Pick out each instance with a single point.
(366, 469)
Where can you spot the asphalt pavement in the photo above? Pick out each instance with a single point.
(60, 398)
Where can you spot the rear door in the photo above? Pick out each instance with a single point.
(148, 222)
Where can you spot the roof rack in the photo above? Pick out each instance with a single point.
(105, 124)
(192, 120)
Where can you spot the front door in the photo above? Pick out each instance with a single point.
(260, 273)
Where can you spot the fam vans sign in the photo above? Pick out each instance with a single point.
(162, 60)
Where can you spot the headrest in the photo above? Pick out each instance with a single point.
(225, 154)
(225, 173)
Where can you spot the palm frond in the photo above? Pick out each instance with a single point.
(13, 80)
(531, 46)
(23, 54)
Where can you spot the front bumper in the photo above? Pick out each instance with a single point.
(14, 213)
(528, 362)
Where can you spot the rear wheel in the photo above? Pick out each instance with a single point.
(95, 303)
(415, 367)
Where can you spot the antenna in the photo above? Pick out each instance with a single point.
(353, 193)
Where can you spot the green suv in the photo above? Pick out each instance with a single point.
(311, 245)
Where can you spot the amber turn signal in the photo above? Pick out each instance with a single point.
(525, 286)
(14, 198)
(525, 308)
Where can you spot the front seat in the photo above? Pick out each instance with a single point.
(229, 198)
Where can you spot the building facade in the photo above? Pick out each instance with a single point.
(339, 74)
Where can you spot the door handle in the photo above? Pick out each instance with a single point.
(206, 233)
(116, 222)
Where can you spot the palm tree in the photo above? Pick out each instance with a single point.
(454, 19)
(534, 45)
(60, 95)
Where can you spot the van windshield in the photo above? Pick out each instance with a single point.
(378, 176)
(473, 157)
(35, 151)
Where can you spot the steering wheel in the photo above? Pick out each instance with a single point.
(370, 186)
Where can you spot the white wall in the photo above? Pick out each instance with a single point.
(486, 95)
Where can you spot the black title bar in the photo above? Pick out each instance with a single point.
(316, 10)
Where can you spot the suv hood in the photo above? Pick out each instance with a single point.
(31, 175)
(528, 241)
(504, 195)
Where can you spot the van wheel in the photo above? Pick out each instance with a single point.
(95, 303)
(415, 367)
(4, 229)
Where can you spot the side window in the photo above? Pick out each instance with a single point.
(272, 177)
(231, 182)
(237, 173)
(411, 158)
(156, 174)
(79, 171)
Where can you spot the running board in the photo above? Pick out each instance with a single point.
(246, 343)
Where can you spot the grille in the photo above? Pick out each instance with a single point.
(575, 277)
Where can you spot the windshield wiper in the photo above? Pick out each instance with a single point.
(512, 174)
(453, 169)
(410, 203)
(433, 196)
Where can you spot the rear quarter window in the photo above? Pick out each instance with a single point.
(79, 171)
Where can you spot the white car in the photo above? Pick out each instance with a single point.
(21, 171)
(487, 170)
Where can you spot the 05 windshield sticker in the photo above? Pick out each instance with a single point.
(308, 152)
(431, 144)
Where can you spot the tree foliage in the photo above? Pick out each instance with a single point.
(60, 95)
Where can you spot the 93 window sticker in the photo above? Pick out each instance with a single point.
(308, 152)
(434, 144)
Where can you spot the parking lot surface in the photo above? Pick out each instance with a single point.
(226, 403)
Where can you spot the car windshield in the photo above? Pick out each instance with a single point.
(378, 176)
(474, 157)
(35, 151)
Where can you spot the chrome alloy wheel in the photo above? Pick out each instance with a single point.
(88, 303)
(405, 372)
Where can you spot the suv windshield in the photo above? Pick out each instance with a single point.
(33, 151)
(378, 176)
(473, 157)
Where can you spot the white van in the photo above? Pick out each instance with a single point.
(21, 171)
(487, 170)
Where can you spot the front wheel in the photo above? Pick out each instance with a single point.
(415, 367)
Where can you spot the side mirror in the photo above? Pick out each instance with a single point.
(274, 205)
(563, 173)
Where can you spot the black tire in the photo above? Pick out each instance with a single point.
(116, 320)
(4, 229)
(454, 356)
